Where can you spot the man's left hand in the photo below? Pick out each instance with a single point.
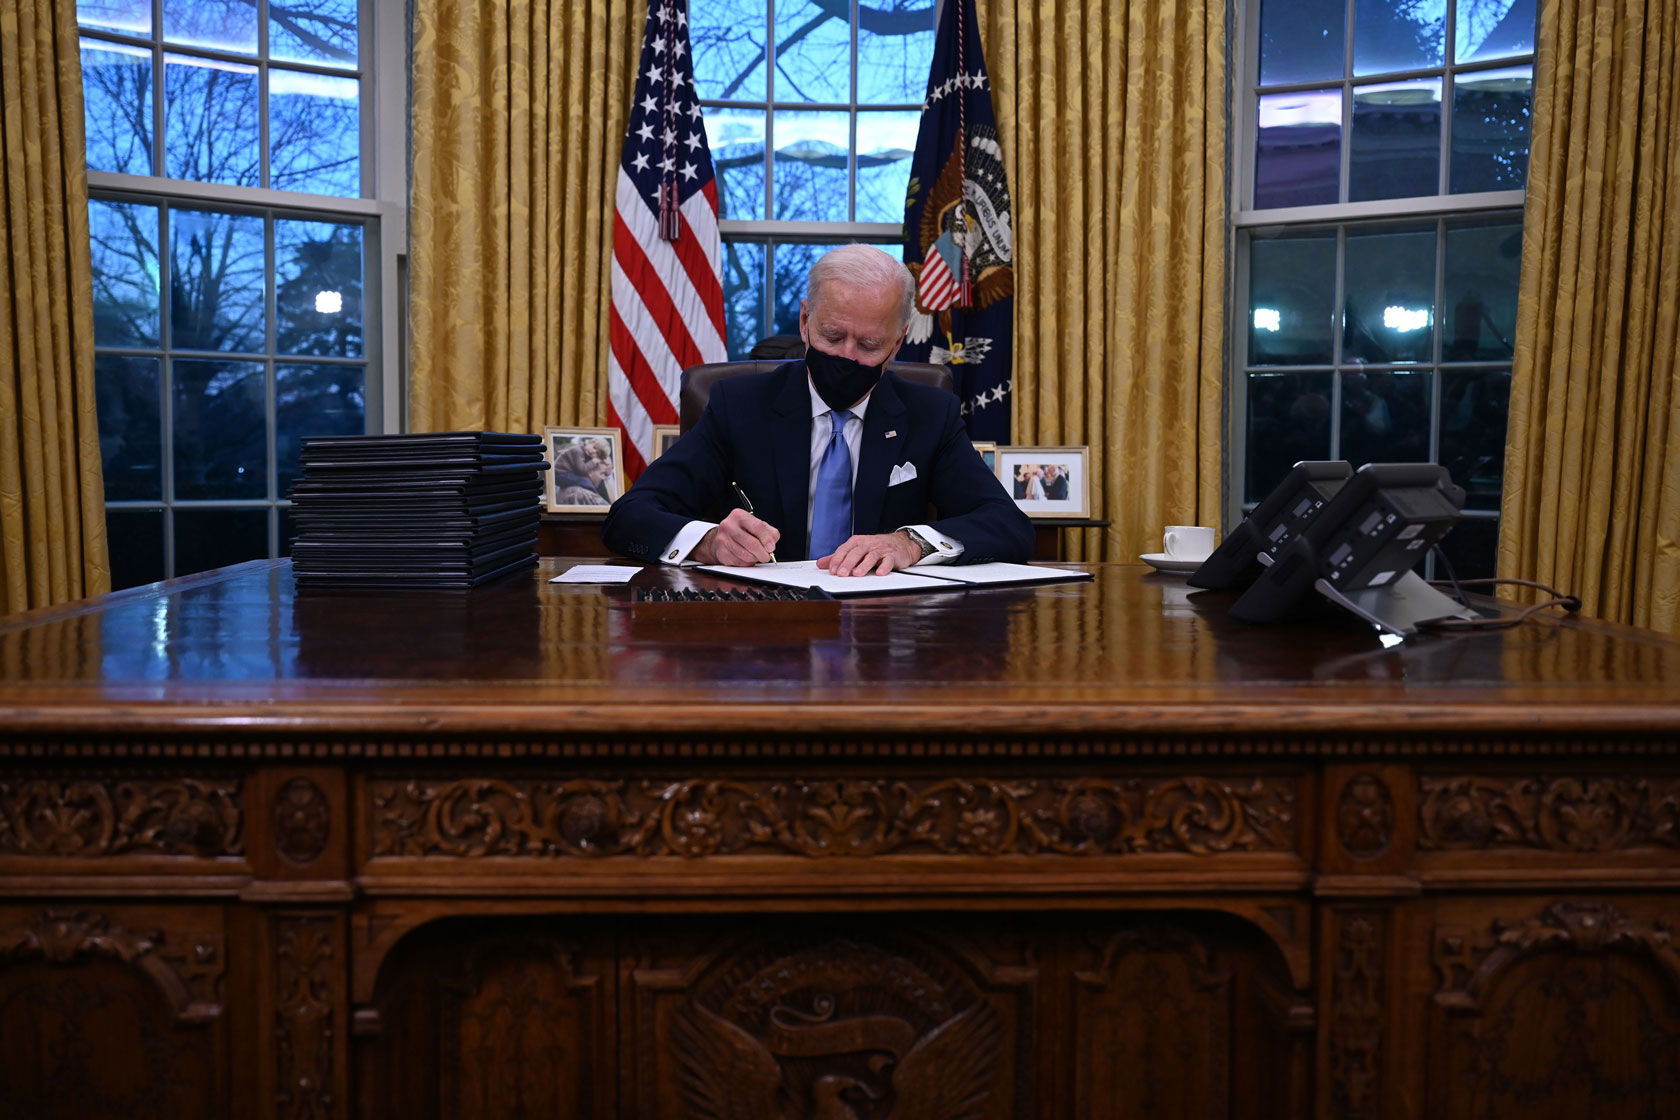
(872, 555)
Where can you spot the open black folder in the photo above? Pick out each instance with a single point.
(935, 577)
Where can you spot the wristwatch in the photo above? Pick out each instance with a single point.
(920, 542)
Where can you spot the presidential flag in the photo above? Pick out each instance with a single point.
(957, 237)
(667, 292)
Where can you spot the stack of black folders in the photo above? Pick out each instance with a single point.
(436, 510)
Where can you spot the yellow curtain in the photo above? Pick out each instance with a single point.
(1592, 462)
(519, 111)
(52, 511)
(1113, 122)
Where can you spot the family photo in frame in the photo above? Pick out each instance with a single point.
(1046, 481)
(583, 469)
(664, 435)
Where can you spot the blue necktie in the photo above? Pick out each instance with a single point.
(831, 512)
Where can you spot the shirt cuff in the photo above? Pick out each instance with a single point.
(676, 552)
(945, 549)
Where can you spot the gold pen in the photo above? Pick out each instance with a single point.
(746, 504)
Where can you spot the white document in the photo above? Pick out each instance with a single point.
(1000, 573)
(596, 573)
(805, 573)
(933, 577)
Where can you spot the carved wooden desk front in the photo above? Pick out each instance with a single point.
(1081, 850)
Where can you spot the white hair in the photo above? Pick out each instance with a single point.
(863, 266)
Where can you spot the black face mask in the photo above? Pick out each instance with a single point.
(841, 382)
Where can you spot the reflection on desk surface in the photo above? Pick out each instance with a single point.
(1130, 636)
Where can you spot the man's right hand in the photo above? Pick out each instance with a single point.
(740, 540)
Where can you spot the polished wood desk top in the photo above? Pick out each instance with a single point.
(340, 854)
(1132, 652)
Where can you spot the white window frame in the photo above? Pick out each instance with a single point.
(382, 209)
(771, 232)
(1335, 218)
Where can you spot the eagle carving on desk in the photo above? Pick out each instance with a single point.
(871, 1066)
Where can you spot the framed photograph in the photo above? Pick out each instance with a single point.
(988, 452)
(582, 469)
(1047, 481)
(664, 435)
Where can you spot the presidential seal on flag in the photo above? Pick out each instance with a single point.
(965, 221)
(958, 240)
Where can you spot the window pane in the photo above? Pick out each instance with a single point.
(220, 24)
(813, 52)
(313, 400)
(212, 127)
(1396, 141)
(1491, 129)
(318, 31)
(812, 153)
(1292, 291)
(123, 239)
(1298, 149)
(1390, 300)
(736, 138)
(317, 289)
(221, 433)
(1479, 300)
(885, 143)
(1288, 421)
(288, 531)
(117, 107)
(216, 538)
(895, 51)
(130, 426)
(1475, 405)
(216, 275)
(135, 537)
(1488, 29)
(1302, 40)
(792, 265)
(1385, 417)
(1398, 35)
(1473, 548)
(743, 294)
(132, 17)
(314, 132)
(728, 37)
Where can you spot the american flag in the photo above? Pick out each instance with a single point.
(667, 292)
(937, 287)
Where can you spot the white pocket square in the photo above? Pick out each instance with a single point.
(904, 472)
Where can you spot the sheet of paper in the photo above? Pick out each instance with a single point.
(805, 573)
(596, 573)
(1001, 573)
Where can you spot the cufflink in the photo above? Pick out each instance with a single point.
(672, 555)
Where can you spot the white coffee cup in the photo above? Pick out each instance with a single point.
(1188, 542)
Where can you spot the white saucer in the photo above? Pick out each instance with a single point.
(1161, 562)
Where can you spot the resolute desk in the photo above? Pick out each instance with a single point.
(1082, 850)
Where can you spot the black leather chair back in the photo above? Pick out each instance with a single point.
(697, 381)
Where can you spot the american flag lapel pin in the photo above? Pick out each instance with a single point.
(891, 433)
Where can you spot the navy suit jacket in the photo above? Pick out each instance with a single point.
(756, 431)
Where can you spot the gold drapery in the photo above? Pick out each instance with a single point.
(1592, 462)
(52, 505)
(519, 113)
(1112, 118)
